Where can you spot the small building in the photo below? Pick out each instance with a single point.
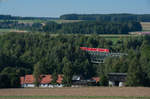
(45, 81)
(117, 79)
(28, 81)
(78, 80)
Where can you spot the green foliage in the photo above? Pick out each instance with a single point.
(108, 17)
(12, 77)
(103, 80)
(22, 54)
(5, 82)
(54, 76)
(92, 27)
(135, 73)
(36, 74)
(10, 17)
(67, 72)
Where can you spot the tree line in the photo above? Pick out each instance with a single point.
(83, 27)
(122, 17)
(108, 17)
(22, 54)
(10, 17)
(92, 27)
(10, 24)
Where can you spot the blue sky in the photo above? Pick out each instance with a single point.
(55, 8)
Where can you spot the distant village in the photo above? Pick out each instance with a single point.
(115, 79)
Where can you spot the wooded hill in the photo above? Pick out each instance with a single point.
(83, 27)
(93, 27)
(9, 17)
(89, 24)
(108, 17)
(21, 53)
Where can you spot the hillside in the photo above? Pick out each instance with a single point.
(21, 52)
(108, 17)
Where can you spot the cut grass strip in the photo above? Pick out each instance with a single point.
(76, 97)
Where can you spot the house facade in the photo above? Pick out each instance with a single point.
(117, 79)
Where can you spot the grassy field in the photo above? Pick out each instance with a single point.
(2, 31)
(77, 93)
(145, 26)
(12, 30)
(59, 21)
(66, 21)
(113, 37)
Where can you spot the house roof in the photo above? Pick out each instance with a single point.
(118, 74)
(29, 79)
(97, 79)
(76, 77)
(45, 79)
(60, 79)
(21, 80)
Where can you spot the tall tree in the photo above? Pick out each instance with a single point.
(67, 71)
(36, 74)
(134, 77)
(54, 76)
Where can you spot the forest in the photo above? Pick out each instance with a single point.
(122, 17)
(10, 17)
(6, 24)
(83, 27)
(93, 27)
(108, 17)
(22, 54)
(88, 24)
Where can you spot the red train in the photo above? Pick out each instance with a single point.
(94, 49)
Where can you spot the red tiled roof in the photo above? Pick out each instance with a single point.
(60, 78)
(21, 80)
(29, 79)
(45, 79)
(97, 79)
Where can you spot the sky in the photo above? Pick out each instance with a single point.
(55, 8)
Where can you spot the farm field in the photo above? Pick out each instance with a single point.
(60, 21)
(112, 37)
(12, 30)
(77, 93)
(145, 26)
